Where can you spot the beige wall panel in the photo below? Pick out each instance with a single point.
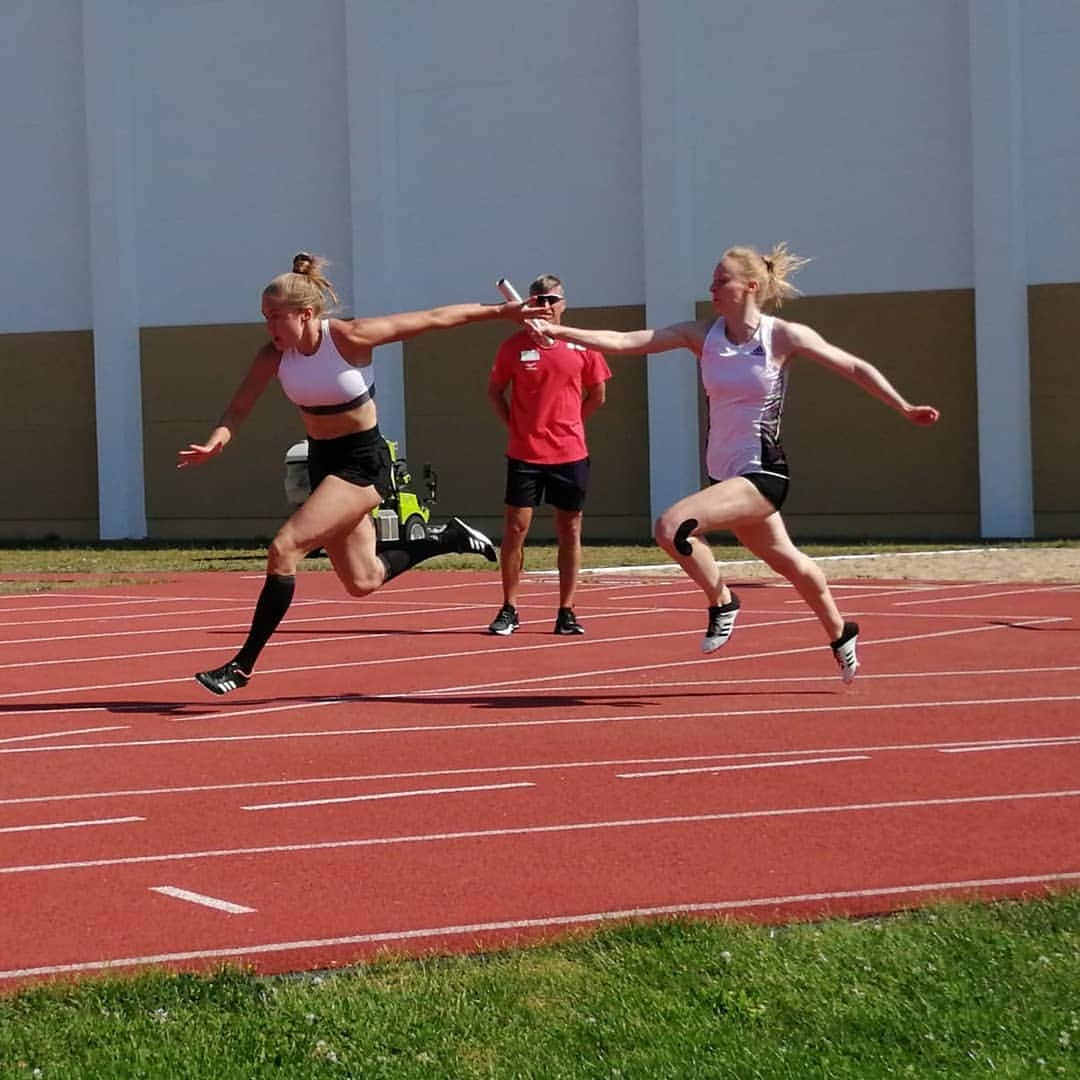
(858, 469)
(452, 426)
(1054, 320)
(48, 479)
(189, 374)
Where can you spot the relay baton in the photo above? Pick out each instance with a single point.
(511, 294)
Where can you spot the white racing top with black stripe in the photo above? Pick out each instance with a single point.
(745, 388)
(325, 382)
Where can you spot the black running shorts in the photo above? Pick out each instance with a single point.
(362, 458)
(562, 486)
(771, 485)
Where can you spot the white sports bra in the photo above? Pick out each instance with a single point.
(325, 382)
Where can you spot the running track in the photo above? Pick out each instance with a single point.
(396, 779)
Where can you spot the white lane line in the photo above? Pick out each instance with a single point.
(1025, 591)
(724, 660)
(79, 603)
(70, 824)
(770, 680)
(386, 795)
(841, 706)
(169, 613)
(61, 734)
(550, 766)
(549, 922)
(179, 630)
(380, 661)
(544, 830)
(1013, 744)
(733, 768)
(870, 591)
(672, 568)
(199, 898)
(486, 652)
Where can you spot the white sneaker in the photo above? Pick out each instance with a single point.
(844, 650)
(465, 540)
(721, 623)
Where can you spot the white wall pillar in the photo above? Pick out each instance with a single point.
(376, 246)
(1001, 316)
(113, 281)
(671, 281)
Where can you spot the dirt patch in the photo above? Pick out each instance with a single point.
(995, 564)
(981, 564)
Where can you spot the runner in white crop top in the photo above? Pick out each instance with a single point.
(324, 382)
(325, 368)
(744, 356)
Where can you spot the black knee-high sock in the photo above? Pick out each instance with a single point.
(398, 555)
(270, 608)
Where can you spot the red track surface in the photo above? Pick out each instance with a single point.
(395, 778)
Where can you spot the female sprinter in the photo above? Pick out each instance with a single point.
(744, 356)
(325, 368)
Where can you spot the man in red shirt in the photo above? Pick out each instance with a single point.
(544, 393)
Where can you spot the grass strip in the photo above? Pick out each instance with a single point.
(953, 990)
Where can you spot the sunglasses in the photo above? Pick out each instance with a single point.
(547, 298)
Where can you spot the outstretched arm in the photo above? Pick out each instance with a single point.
(687, 335)
(262, 371)
(792, 338)
(366, 333)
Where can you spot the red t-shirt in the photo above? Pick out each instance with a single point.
(545, 396)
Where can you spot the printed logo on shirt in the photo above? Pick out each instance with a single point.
(530, 358)
(759, 351)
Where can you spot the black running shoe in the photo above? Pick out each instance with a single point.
(566, 622)
(223, 679)
(721, 623)
(843, 649)
(506, 622)
(465, 540)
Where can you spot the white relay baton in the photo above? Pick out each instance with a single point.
(511, 294)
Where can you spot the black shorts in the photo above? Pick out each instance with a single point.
(562, 486)
(362, 458)
(773, 486)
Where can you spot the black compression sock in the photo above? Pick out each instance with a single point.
(398, 556)
(273, 602)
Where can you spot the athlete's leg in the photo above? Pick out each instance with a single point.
(568, 534)
(336, 517)
(720, 506)
(516, 523)
(334, 506)
(363, 565)
(770, 542)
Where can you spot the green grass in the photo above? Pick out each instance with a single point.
(115, 560)
(950, 991)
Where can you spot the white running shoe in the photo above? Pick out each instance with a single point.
(721, 623)
(844, 650)
(465, 540)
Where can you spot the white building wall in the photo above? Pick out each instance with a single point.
(45, 270)
(241, 150)
(515, 140)
(518, 148)
(840, 126)
(1050, 42)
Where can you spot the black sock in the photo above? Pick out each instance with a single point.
(398, 555)
(273, 602)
